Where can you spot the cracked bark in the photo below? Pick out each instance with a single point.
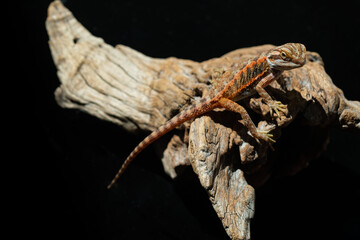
(140, 93)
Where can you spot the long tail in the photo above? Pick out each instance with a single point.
(192, 112)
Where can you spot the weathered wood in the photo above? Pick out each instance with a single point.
(140, 93)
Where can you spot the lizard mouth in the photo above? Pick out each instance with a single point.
(286, 65)
(299, 62)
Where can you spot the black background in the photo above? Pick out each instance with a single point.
(61, 160)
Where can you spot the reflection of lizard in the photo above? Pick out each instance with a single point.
(250, 79)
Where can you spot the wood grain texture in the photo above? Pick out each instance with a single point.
(139, 93)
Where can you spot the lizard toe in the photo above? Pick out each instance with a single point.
(277, 107)
(265, 136)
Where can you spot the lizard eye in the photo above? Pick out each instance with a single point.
(283, 54)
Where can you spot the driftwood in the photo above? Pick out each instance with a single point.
(140, 93)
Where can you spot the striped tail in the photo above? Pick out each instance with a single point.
(193, 111)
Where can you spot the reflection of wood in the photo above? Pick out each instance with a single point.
(140, 93)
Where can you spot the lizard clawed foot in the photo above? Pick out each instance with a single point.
(265, 136)
(277, 107)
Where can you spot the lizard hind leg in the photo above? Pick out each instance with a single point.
(256, 133)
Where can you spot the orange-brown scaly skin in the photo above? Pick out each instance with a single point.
(250, 79)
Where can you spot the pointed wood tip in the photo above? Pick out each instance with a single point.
(57, 10)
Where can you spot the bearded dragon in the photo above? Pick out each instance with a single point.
(246, 81)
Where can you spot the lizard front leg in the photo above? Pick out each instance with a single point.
(256, 133)
(275, 106)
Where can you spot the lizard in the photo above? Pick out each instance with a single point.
(246, 81)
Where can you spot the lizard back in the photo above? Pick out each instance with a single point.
(244, 81)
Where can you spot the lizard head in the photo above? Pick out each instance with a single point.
(287, 56)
